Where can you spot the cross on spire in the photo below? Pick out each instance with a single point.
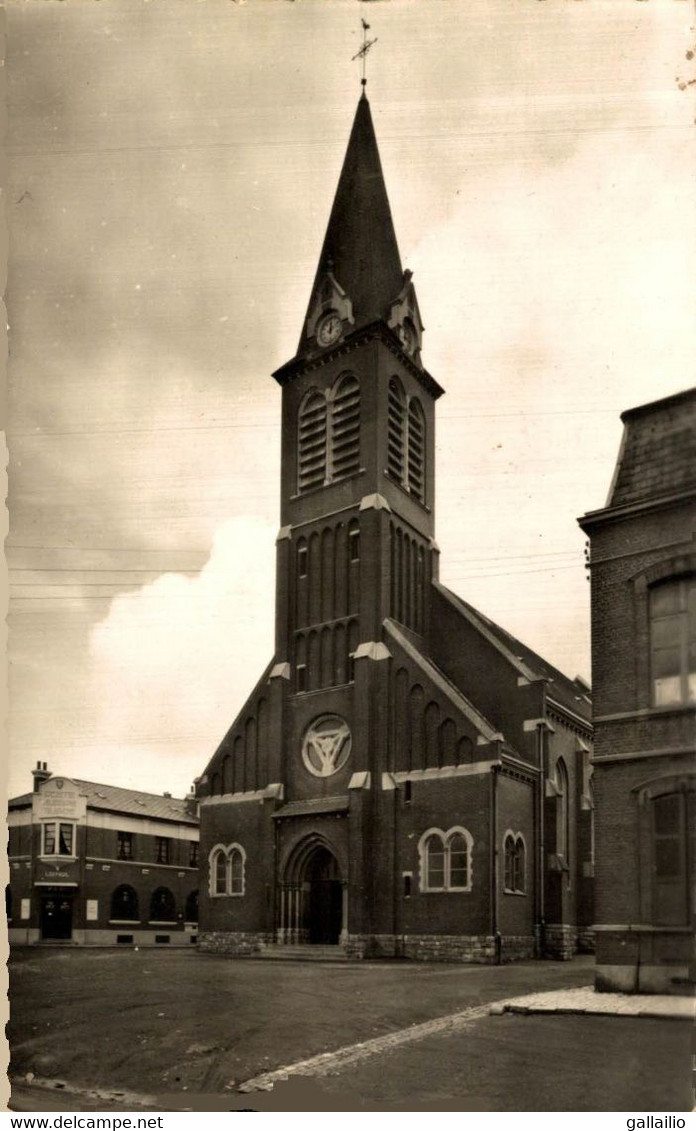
(362, 53)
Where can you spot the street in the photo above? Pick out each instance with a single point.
(186, 1030)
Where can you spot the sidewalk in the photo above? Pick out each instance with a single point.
(586, 1000)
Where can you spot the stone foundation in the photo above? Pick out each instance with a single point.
(480, 949)
(560, 941)
(373, 946)
(517, 948)
(450, 948)
(585, 941)
(235, 943)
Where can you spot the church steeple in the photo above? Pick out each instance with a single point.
(359, 265)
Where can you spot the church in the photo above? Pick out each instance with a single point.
(406, 780)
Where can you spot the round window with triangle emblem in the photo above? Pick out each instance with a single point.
(326, 746)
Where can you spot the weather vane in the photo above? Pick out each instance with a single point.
(362, 53)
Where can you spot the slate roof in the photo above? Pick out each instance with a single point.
(360, 245)
(338, 804)
(564, 690)
(658, 452)
(116, 799)
(440, 680)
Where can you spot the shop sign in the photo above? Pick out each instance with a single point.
(58, 797)
(57, 873)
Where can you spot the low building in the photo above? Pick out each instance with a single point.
(643, 566)
(100, 865)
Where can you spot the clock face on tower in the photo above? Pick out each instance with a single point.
(326, 746)
(408, 335)
(329, 329)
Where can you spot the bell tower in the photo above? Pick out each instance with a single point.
(358, 430)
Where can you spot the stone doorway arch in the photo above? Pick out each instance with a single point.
(313, 904)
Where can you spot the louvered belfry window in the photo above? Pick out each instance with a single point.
(345, 428)
(416, 449)
(396, 409)
(312, 442)
(329, 434)
(405, 440)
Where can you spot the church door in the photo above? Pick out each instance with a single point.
(56, 917)
(325, 897)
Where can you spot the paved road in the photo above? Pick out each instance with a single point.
(179, 1025)
(534, 1063)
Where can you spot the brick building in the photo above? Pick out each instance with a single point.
(100, 865)
(406, 778)
(643, 564)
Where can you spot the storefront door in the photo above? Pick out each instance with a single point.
(56, 917)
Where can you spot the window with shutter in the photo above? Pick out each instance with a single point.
(396, 432)
(345, 428)
(416, 450)
(312, 438)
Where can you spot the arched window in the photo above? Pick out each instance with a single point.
(227, 781)
(345, 427)
(301, 664)
(416, 449)
(396, 430)
(328, 434)
(312, 437)
(162, 906)
(124, 903)
(227, 870)
(405, 440)
(515, 855)
(445, 860)
(432, 745)
(353, 641)
(673, 864)
(220, 873)
(237, 859)
(562, 811)
(191, 913)
(673, 642)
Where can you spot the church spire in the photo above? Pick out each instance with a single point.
(360, 256)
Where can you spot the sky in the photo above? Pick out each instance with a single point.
(172, 167)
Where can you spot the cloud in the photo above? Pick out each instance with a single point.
(176, 659)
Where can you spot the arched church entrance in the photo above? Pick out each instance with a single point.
(325, 901)
(312, 896)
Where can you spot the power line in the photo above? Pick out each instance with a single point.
(183, 569)
(182, 596)
(88, 569)
(142, 431)
(119, 549)
(276, 427)
(310, 142)
(516, 573)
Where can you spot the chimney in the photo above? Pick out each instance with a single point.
(191, 800)
(40, 775)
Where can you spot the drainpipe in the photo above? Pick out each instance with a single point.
(493, 826)
(275, 890)
(541, 909)
(396, 880)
